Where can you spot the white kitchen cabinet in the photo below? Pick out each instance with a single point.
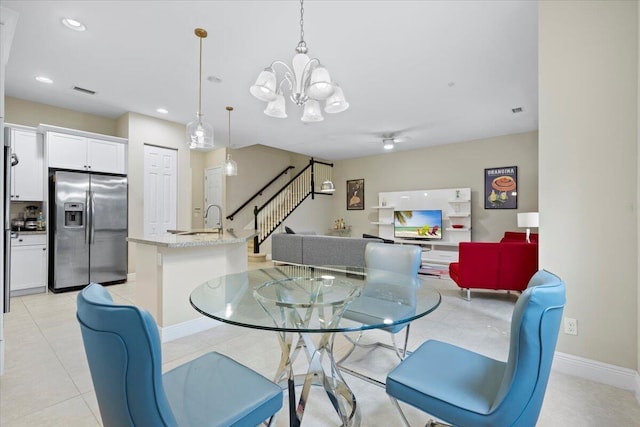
(66, 151)
(26, 177)
(28, 264)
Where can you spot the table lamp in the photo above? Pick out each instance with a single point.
(528, 220)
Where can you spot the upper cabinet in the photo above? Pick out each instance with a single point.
(91, 154)
(26, 176)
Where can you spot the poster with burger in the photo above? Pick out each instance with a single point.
(501, 188)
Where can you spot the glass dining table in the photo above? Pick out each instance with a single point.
(300, 303)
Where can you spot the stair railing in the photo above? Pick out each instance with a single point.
(259, 192)
(274, 211)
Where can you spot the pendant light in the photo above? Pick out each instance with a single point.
(199, 132)
(230, 167)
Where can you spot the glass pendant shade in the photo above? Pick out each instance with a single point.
(320, 86)
(230, 167)
(312, 112)
(327, 187)
(265, 86)
(200, 135)
(277, 108)
(336, 103)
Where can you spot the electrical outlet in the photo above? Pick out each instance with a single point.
(570, 326)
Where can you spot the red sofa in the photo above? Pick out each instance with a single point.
(507, 265)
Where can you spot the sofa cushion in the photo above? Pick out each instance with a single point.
(287, 248)
(332, 250)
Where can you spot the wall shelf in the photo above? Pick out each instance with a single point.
(455, 204)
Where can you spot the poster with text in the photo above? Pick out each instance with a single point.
(501, 188)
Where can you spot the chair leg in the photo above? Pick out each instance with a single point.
(395, 403)
(270, 421)
(401, 354)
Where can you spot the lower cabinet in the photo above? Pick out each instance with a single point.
(28, 264)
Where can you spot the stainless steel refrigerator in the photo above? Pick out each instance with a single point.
(88, 229)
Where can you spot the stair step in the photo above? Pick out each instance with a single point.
(259, 257)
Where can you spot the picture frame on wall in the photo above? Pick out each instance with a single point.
(501, 188)
(355, 194)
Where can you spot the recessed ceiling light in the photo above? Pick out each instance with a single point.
(73, 24)
(43, 79)
(162, 111)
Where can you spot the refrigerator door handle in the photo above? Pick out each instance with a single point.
(87, 218)
(93, 211)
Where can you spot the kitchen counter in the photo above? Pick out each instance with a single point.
(171, 266)
(196, 237)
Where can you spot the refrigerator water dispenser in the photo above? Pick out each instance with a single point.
(73, 215)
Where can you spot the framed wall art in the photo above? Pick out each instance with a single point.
(501, 188)
(355, 194)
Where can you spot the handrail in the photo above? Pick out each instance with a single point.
(284, 187)
(259, 192)
(285, 201)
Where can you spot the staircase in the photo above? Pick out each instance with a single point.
(269, 216)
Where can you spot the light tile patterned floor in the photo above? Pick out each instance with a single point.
(47, 380)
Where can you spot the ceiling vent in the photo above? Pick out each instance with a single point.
(83, 90)
(516, 110)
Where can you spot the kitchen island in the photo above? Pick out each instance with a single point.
(169, 267)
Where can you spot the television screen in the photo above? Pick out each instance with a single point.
(418, 224)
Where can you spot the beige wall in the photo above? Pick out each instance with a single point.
(27, 113)
(588, 85)
(149, 130)
(444, 166)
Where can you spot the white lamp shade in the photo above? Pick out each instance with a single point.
(200, 135)
(320, 86)
(312, 112)
(265, 86)
(528, 220)
(277, 108)
(336, 103)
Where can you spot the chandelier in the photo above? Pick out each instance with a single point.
(199, 132)
(308, 81)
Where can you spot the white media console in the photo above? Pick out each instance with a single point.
(455, 204)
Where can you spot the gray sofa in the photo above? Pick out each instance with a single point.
(311, 249)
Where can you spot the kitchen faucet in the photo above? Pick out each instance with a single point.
(206, 213)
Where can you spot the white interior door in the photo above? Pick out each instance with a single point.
(160, 190)
(213, 195)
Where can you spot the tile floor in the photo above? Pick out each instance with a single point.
(47, 380)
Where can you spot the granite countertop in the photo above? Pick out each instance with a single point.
(197, 237)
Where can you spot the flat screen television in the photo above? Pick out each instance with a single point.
(418, 224)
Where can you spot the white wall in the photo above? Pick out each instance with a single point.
(149, 130)
(444, 166)
(588, 86)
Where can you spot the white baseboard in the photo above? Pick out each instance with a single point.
(604, 373)
(190, 327)
(131, 276)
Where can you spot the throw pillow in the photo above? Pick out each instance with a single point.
(288, 230)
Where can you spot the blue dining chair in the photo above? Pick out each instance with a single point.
(464, 388)
(124, 354)
(383, 297)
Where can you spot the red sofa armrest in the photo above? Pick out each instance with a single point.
(478, 265)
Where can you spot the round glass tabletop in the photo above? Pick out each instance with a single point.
(266, 298)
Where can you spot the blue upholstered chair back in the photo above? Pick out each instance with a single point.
(535, 324)
(124, 354)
